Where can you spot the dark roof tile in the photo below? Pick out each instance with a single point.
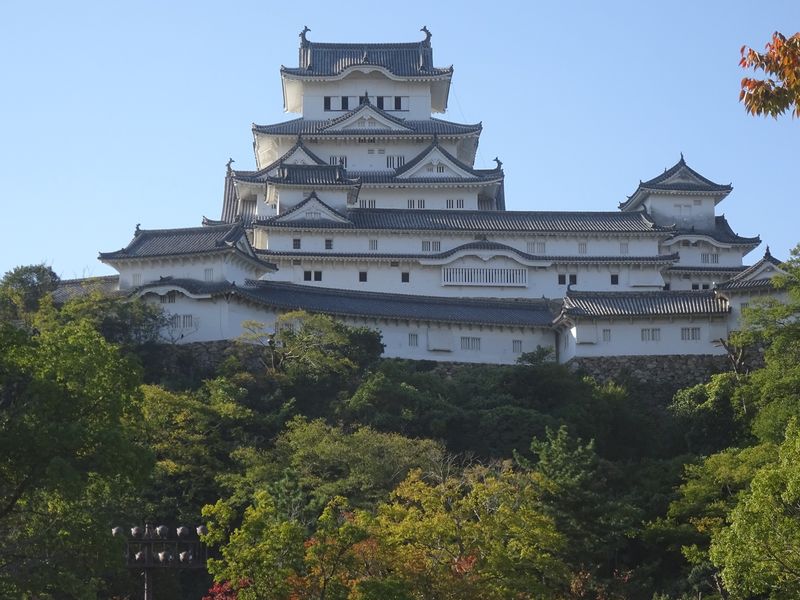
(643, 304)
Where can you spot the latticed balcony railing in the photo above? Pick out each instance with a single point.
(484, 276)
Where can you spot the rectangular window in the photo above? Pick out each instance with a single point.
(459, 203)
(421, 203)
(398, 103)
(137, 279)
(440, 168)
(366, 204)
(313, 215)
(470, 343)
(690, 334)
(328, 244)
(573, 279)
(606, 335)
(744, 305)
(404, 277)
(711, 258)
(326, 103)
(651, 334)
(562, 279)
(516, 346)
(431, 246)
(581, 247)
(411, 203)
(317, 275)
(535, 247)
(614, 279)
(623, 247)
(208, 274)
(362, 276)
(449, 203)
(345, 103)
(413, 339)
(169, 298)
(706, 286)
(186, 321)
(338, 159)
(175, 321)
(296, 243)
(379, 102)
(394, 161)
(373, 244)
(306, 275)
(695, 286)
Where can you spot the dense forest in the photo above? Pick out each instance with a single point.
(324, 472)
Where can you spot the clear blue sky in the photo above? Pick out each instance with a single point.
(113, 114)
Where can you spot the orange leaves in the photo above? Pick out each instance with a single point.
(773, 95)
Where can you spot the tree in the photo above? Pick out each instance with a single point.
(22, 288)
(759, 548)
(68, 455)
(779, 91)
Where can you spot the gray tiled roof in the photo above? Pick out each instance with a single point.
(312, 127)
(193, 286)
(305, 175)
(290, 296)
(486, 221)
(318, 59)
(722, 232)
(643, 304)
(389, 178)
(743, 280)
(679, 178)
(153, 243)
(74, 288)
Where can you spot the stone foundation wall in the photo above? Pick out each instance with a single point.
(663, 375)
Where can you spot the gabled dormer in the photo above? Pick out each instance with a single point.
(437, 163)
(679, 196)
(367, 118)
(312, 210)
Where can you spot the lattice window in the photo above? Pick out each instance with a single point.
(484, 276)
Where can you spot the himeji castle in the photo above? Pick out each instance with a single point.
(368, 208)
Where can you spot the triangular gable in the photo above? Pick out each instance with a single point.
(298, 155)
(435, 162)
(766, 268)
(311, 209)
(366, 116)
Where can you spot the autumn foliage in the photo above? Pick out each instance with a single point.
(779, 91)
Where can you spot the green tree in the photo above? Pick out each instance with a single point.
(22, 288)
(758, 549)
(68, 452)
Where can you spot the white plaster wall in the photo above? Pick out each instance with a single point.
(691, 253)
(219, 319)
(427, 279)
(626, 338)
(358, 154)
(184, 268)
(697, 211)
(435, 199)
(376, 84)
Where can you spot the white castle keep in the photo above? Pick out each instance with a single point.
(369, 209)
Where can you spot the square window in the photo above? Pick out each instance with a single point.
(296, 244)
(404, 277)
(317, 275)
(373, 244)
(328, 244)
(614, 279)
(362, 275)
(562, 279)
(306, 275)
(573, 279)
